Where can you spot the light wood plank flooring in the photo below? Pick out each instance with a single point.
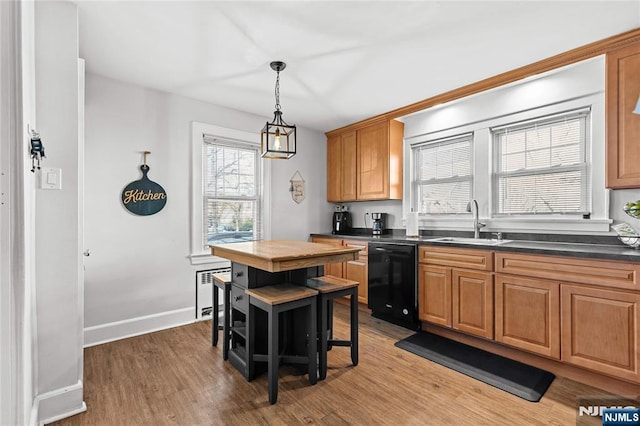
(176, 377)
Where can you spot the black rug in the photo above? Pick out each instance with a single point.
(511, 376)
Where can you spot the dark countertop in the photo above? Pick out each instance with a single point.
(605, 248)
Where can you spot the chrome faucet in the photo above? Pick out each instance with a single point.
(476, 223)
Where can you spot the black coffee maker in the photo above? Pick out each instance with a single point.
(341, 223)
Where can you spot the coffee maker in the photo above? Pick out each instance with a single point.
(379, 220)
(341, 222)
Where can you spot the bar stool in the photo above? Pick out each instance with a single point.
(223, 282)
(330, 288)
(275, 299)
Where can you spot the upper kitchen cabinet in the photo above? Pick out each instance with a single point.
(341, 167)
(365, 163)
(623, 126)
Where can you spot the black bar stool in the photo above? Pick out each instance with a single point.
(221, 281)
(275, 299)
(330, 288)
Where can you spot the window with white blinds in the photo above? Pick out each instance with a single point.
(231, 184)
(541, 165)
(443, 178)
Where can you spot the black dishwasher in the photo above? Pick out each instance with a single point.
(392, 283)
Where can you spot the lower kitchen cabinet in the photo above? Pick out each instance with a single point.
(334, 269)
(434, 294)
(454, 297)
(358, 270)
(473, 302)
(600, 330)
(527, 314)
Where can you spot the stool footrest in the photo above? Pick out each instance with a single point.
(339, 342)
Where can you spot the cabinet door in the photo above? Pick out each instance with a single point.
(623, 127)
(527, 314)
(473, 302)
(348, 179)
(334, 169)
(600, 330)
(373, 162)
(334, 269)
(434, 294)
(357, 270)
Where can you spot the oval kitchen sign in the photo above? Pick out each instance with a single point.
(144, 197)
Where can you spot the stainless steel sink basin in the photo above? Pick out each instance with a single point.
(472, 241)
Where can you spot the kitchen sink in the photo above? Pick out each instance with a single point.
(472, 241)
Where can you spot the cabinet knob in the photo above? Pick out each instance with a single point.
(238, 274)
(237, 298)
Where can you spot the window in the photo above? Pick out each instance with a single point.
(229, 201)
(541, 166)
(443, 175)
(231, 204)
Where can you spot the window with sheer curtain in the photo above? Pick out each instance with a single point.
(231, 184)
(541, 166)
(443, 178)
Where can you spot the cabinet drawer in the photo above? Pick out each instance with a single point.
(588, 271)
(240, 274)
(362, 245)
(481, 260)
(239, 299)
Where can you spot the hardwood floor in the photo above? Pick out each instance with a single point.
(175, 376)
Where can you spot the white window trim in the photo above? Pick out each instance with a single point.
(483, 188)
(198, 256)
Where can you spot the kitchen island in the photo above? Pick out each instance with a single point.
(257, 264)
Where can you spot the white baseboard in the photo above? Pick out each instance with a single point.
(136, 326)
(58, 404)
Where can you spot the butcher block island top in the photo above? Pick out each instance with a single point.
(283, 255)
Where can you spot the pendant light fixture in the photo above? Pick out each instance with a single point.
(278, 139)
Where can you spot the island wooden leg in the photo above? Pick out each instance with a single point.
(226, 328)
(323, 335)
(214, 316)
(273, 356)
(312, 352)
(354, 326)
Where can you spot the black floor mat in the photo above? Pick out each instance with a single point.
(511, 376)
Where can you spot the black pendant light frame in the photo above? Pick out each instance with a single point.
(278, 139)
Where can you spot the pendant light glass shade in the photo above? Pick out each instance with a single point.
(277, 138)
(637, 110)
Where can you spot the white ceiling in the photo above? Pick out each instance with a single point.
(346, 61)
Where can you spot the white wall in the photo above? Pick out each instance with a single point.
(58, 212)
(139, 277)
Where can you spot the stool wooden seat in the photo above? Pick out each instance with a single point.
(221, 281)
(329, 288)
(275, 299)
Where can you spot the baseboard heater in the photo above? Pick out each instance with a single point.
(204, 296)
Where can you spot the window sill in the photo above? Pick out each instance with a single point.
(208, 259)
(560, 225)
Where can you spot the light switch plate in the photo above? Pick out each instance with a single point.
(50, 178)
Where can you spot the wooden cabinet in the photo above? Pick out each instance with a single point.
(366, 163)
(623, 126)
(334, 269)
(582, 311)
(341, 167)
(600, 330)
(527, 314)
(434, 294)
(357, 270)
(455, 289)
